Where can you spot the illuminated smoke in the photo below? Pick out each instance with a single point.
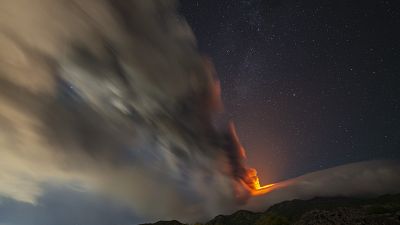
(246, 177)
(112, 97)
(362, 179)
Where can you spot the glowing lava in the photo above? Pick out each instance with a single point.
(248, 177)
(252, 183)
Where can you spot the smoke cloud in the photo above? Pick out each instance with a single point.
(363, 179)
(110, 97)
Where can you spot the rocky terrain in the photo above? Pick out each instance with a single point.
(384, 210)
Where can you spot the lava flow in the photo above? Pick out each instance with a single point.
(252, 183)
(247, 176)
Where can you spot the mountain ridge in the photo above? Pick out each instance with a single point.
(382, 210)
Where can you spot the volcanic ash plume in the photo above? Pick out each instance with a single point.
(112, 97)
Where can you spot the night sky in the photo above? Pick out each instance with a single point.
(310, 84)
(112, 124)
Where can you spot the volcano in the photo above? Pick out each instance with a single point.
(383, 210)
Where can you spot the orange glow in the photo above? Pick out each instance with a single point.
(252, 183)
(250, 179)
(241, 150)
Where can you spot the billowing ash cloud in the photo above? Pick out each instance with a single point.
(110, 97)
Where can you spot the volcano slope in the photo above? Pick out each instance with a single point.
(383, 210)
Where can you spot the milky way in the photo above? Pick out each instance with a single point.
(310, 84)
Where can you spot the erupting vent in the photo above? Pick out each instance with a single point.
(247, 176)
(252, 183)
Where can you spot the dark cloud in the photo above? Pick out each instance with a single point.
(112, 100)
(118, 102)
